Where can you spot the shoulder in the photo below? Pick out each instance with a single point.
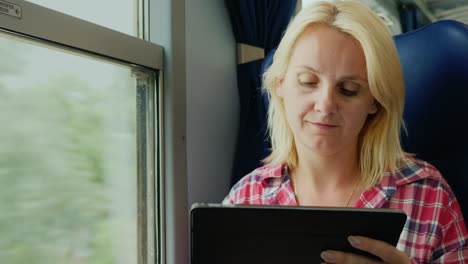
(250, 188)
(435, 221)
(412, 169)
(421, 182)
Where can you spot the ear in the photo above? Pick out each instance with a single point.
(280, 88)
(373, 108)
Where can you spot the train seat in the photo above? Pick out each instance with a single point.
(435, 68)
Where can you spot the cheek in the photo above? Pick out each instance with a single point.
(295, 99)
(296, 105)
(293, 112)
(356, 119)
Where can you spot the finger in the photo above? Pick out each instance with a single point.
(385, 251)
(331, 256)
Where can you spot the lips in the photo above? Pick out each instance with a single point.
(322, 125)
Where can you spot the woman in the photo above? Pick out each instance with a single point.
(336, 103)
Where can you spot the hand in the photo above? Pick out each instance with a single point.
(388, 253)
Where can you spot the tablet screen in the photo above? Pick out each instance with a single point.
(278, 234)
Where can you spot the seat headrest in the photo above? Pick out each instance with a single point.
(435, 68)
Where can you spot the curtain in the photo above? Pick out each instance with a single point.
(259, 23)
(409, 18)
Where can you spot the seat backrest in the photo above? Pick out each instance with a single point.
(435, 68)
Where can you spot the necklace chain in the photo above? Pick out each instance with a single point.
(351, 195)
(347, 201)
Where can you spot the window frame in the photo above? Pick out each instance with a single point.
(45, 24)
(54, 29)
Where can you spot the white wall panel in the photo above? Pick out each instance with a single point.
(212, 100)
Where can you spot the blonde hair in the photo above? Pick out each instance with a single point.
(379, 140)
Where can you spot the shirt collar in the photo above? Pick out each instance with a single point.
(274, 175)
(276, 183)
(409, 170)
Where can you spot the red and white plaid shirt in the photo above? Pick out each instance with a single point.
(435, 231)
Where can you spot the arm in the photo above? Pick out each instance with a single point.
(442, 238)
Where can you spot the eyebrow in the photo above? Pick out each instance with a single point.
(347, 77)
(307, 68)
(355, 78)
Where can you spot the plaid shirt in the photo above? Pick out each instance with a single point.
(435, 231)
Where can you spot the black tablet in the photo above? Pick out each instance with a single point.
(251, 234)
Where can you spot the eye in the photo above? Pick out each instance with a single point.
(307, 79)
(349, 88)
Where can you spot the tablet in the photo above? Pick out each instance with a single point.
(253, 234)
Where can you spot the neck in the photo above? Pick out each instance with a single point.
(327, 171)
(326, 180)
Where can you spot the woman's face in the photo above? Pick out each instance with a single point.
(325, 91)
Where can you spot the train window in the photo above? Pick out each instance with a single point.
(79, 179)
(120, 15)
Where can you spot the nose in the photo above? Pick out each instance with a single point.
(325, 101)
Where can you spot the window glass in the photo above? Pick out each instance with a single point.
(68, 157)
(119, 15)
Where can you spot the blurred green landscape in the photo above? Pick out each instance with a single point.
(67, 158)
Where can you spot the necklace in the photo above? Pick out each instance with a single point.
(347, 201)
(351, 195)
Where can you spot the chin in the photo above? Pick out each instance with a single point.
(325, 152)
(323, 149)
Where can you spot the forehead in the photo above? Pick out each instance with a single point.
(325, 48)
